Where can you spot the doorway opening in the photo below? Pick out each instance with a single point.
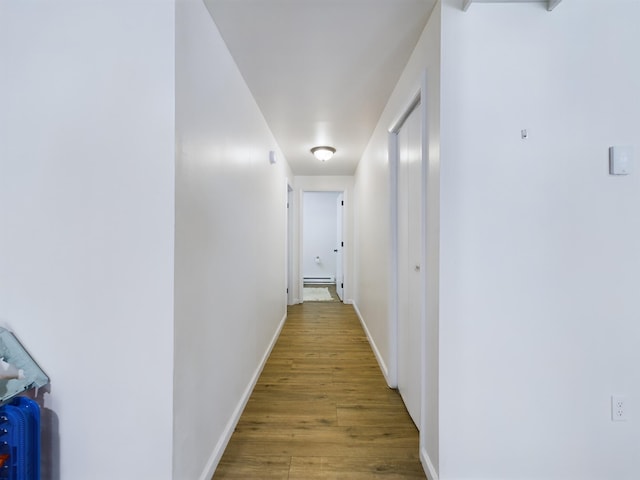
(322, 246)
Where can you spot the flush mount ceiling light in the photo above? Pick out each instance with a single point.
(323, 153)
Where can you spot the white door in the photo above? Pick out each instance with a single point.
(339, 247)
(409, 262)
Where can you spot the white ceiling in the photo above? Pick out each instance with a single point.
(321, 70)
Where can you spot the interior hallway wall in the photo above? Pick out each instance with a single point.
(540, 266)
(87, 216)
(373, 269)
(230, 292)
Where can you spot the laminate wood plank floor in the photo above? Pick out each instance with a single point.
(321, 408)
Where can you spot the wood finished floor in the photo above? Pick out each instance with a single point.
(321, 408)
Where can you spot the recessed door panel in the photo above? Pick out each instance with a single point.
(409, 225)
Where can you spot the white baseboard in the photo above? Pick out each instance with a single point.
(212, 464)
(374, 347)
(427, 464)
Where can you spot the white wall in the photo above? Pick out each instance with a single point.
(319, 225)
(373, 229)
(230, 243)
(86, 213)
(319, 183)
(540, 267)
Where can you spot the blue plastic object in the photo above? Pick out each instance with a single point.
(20, 440)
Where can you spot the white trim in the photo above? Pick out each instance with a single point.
(427, 465)
(289, 243)
(346, 252)
(374, 347)
(393, 255)
(424, 133)
(551, 4)
(220, 447)
(413, 103)
(418, 102)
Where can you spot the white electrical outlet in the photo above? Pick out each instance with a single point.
(618, 408)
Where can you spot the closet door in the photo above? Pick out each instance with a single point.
(409, 267)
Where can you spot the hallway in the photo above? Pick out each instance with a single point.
(321, 408)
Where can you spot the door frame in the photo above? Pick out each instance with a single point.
(289, 243)
(409, 259)
(430, 271)
(417, 101)
(344, 193)
(340, 239)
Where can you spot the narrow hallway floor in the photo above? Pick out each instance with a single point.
(321, 408)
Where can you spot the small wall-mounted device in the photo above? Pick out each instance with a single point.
(620, 160)
(272, 157)
(18, 370)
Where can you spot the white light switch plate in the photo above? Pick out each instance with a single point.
(620, 160)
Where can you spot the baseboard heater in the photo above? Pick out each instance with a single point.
(319, 280)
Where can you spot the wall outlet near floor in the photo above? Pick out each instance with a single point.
(618, 408)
